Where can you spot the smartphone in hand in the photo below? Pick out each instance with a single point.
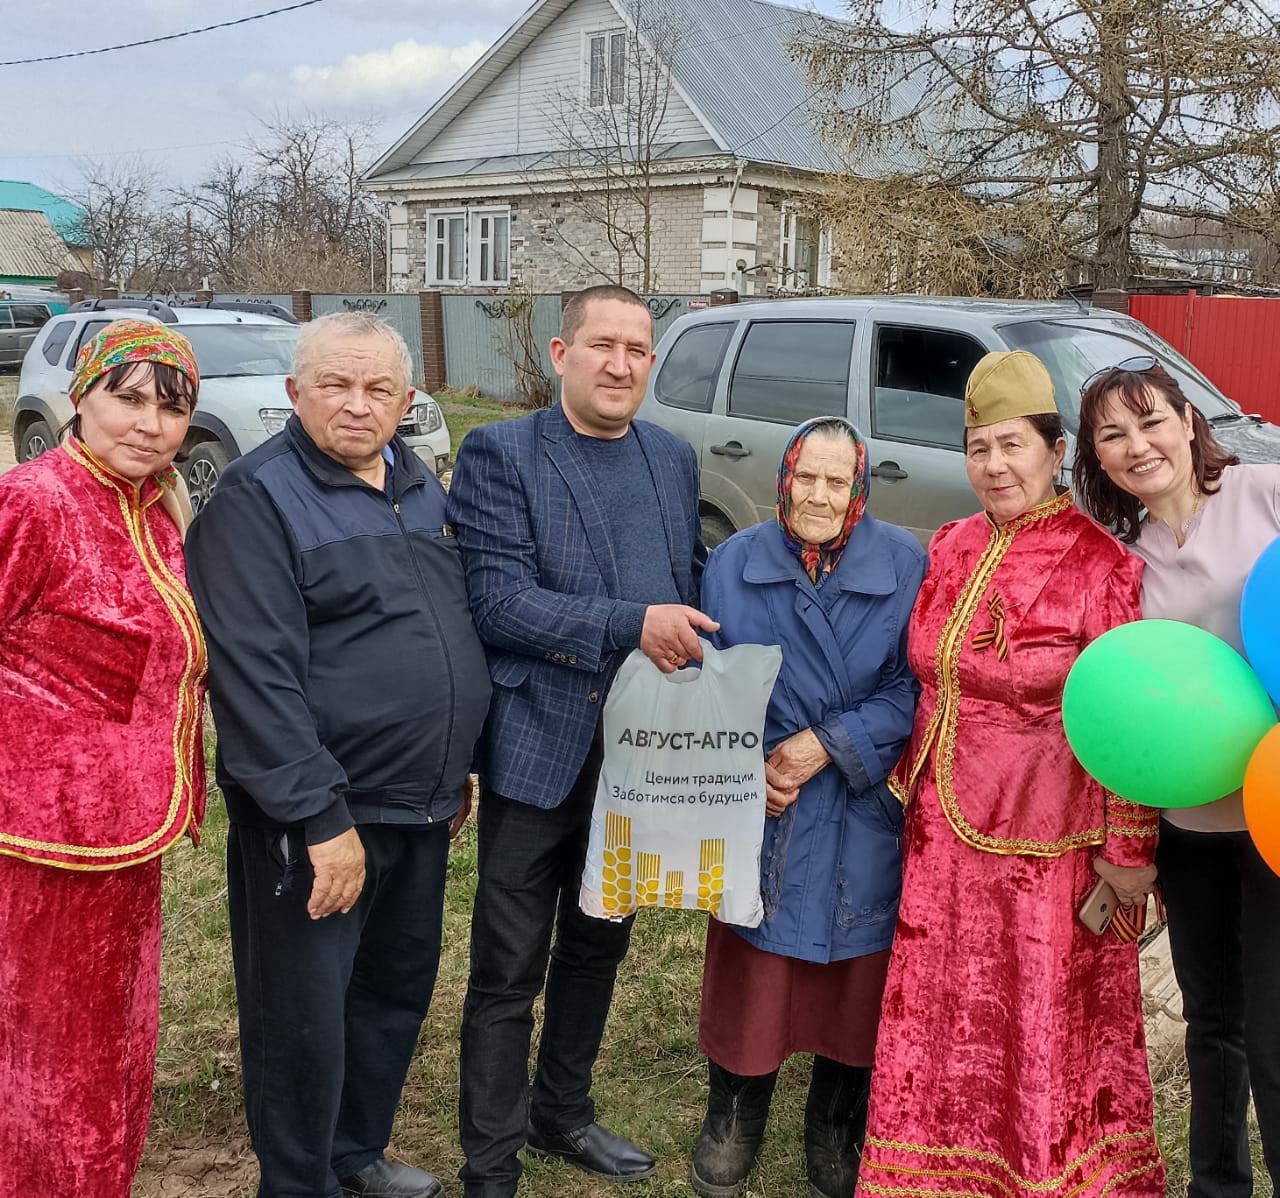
(1099, 907)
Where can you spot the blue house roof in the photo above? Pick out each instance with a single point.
(69, 219)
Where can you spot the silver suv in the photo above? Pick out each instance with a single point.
(734, 381)
(20, 321)
(244, 350)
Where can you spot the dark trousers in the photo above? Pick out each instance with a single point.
(330, 1009)
(1223, 904)
(530, 865)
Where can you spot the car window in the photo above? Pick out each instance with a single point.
(235, 350)
(56, 341)
(790, 370)
(919, 380)
(91, 329)
(688, 375)
(1075, 349)
(6, 320)
(29, 316)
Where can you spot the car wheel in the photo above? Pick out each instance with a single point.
(37, 438)
(715, 529)
(204, 466)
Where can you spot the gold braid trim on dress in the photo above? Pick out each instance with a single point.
(188, 717)
(940, 735)
(1129, 1145)
(907, 1192)
(1130, 819)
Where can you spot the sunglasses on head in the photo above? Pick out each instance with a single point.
(1139, 365)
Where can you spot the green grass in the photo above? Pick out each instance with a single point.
(464, 410)
(649, 1080)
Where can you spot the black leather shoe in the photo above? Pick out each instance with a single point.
(388, 1179)
(595, 1150)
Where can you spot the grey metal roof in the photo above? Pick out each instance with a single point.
(736, 66)
(29, 246)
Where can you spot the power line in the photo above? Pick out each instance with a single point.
(790, 111)
(168, 37)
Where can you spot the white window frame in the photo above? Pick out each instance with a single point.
(610, 94)
(791, 279)
(435, 278)
(475, 242)
(480, 266)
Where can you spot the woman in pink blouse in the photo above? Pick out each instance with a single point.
(1147, 465)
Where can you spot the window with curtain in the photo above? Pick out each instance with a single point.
(606, 68)
(469, 246)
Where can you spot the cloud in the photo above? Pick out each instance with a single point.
(408, 69)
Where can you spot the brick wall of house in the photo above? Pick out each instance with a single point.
(769, 217)
(545, 230)
(555, 246)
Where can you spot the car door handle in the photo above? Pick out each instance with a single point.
(888, 470)
(733, 449)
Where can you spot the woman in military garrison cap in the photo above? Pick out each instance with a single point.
(1011, 1056)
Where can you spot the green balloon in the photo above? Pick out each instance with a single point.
(1164, 713)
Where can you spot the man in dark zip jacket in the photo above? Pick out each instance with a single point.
(349, 687)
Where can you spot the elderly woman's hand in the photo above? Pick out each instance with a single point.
(777, 801)
(1132, 883)
(789, 767)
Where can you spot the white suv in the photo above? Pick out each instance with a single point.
(244, 350)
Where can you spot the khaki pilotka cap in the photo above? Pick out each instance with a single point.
(1005, 385)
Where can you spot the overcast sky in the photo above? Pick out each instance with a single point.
(183, 103)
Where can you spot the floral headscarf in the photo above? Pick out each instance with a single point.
(124, 341)
(820, 560)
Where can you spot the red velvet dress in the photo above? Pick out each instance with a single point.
(1011, 1060)
(101, 770)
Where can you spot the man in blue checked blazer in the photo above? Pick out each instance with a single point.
(580, 539)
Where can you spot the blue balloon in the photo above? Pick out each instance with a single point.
(1260, 619)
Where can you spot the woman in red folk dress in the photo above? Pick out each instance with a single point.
(1011, 1060)
(101, 764)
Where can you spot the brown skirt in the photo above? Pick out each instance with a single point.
(758, 1008)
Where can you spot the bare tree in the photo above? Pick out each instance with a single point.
(289, 215)
(308, 172)
(1042, 133)
(519, 344)
(608, 133)
(225, 214)
(131, 240)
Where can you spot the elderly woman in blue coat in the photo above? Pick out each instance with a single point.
(834, 587)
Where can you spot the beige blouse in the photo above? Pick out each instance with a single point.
(1200, 583)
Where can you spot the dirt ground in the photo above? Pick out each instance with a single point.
(8, 393)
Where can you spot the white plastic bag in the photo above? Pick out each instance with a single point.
(679, 810)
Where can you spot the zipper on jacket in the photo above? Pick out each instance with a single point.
(444, 642)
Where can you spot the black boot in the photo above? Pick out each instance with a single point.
(737, 1111)
(835, 1126)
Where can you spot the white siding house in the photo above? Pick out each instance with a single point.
(500, 185)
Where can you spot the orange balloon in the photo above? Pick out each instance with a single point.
(1262, 798)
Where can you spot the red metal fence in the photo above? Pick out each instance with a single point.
(1234, 341)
